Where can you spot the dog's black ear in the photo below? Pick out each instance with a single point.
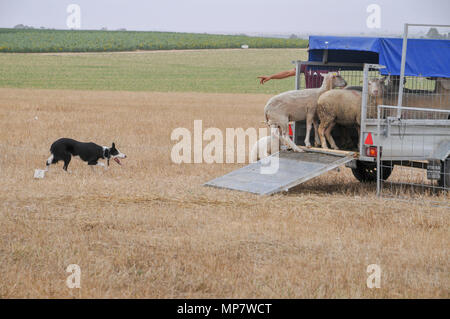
(113, 145)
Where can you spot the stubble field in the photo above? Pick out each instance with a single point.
(149, 229)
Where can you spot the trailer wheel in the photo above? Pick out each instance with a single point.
(444, 181)
(367, 172)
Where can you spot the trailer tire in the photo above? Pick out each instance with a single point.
(367, 172)
(444, 181)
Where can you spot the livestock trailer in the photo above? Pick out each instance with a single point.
(411, 128)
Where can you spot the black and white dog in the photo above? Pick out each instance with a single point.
(64, 148)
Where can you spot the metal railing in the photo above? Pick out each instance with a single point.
(418, 148)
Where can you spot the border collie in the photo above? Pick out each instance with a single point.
(64, 148)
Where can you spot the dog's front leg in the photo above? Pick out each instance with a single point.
(97, 163)
(103, 165)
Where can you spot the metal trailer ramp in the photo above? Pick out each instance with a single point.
(294, 168)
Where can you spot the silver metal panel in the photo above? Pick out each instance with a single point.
(410, 141)
(442, 151)
(294, 169)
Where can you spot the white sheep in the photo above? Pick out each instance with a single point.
(299, 105)
(344, 107)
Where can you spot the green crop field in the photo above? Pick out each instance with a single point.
(230, 70)
(38, 40)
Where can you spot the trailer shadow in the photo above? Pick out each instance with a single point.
(398, 189)
(335, 188)
(390, 190)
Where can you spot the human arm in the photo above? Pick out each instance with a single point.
(277, 76)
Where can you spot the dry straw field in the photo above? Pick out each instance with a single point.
(149, 229)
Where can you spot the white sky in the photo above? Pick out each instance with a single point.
(227, 16)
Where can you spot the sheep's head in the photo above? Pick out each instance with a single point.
(376, 86)
(392, 82)
(334, 80)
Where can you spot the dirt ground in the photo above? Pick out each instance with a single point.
(150, 229)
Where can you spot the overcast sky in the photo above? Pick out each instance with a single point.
(227, 16)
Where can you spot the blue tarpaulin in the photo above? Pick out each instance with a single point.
(424, 57)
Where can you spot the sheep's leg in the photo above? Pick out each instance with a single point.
(358, 127)
(329, 137)
(309, 121)
(287, 141)
(286, 138)
(284, 129)
(322, 127)
(316, 132)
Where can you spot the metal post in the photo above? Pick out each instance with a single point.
(297, 74)
(362, 127)
(325, 56)
(378, 152)
(402, 69)
(403, 62)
